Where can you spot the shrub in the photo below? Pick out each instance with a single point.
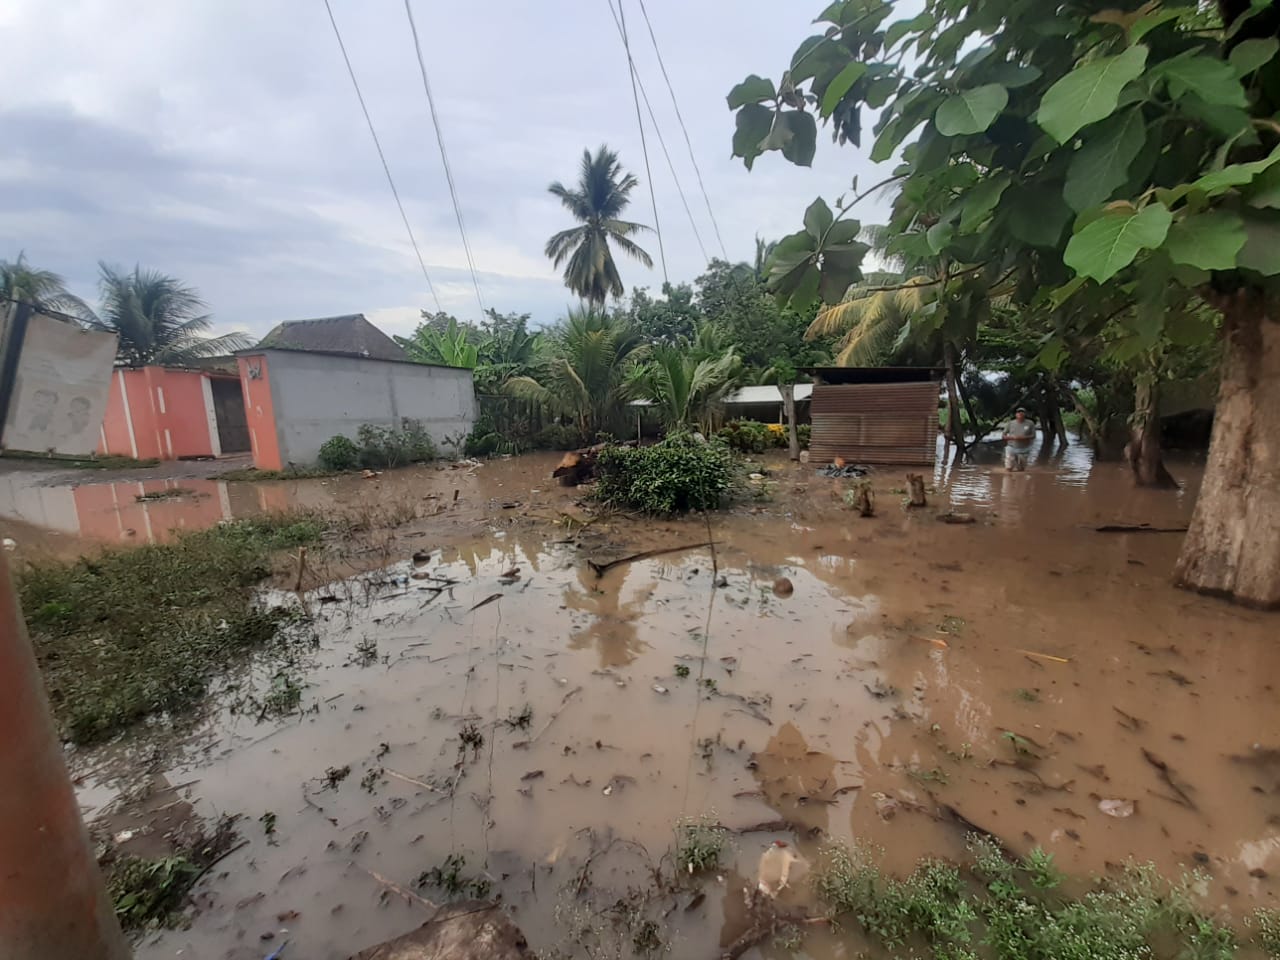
(803, 432)
(746, 436)
(339, 453)
(389, 447)
(673, 476)
(557, 436)
(700, 842)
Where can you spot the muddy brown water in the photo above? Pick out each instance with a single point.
(1023, 670)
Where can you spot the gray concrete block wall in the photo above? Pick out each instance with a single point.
(317, 396)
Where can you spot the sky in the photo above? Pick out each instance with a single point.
(221, 142)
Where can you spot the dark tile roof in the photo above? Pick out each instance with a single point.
(351, 335)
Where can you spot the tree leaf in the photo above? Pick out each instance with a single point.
(1112, 241)
(897, 31)
(751, 90)
(1208, 77)
(1012, 75)
(841, 269)
(1144, 25)
(970, 111)
(1208, 240)
(1235, 175)
(1249, 55)
(1101, 166)
(752, 126)
(1261, 250)
(1265, 189)
(1036, 215)
(818, 219)
(981, 200)
(843, 231)
(879, 91)
(1088, 93)
(939, 235)
(800, 146)
(838, 87)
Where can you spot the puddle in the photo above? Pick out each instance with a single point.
(1023, 670)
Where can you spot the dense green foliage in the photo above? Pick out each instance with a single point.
(674, 476)
(1014, 910)
(141, 630)
(339, 453)
(391, 447)
(748, 436)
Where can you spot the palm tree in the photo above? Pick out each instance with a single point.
(587, 374)
(686, 386)
(596, 202)
(158, 319)
(873, 320)
(43, 289)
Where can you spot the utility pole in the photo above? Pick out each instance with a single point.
(53, 905)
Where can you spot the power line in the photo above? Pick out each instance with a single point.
(688, 143)
(381, 156)
(644, 144)
(444, 156)
(663, 143)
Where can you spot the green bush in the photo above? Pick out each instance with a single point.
(748, 436)
(803, 433)
(673, 476)
(557, 436)
(339, 453)
(389, 447)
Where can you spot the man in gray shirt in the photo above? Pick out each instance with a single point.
(1018, 434)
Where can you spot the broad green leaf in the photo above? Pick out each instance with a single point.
(939, 235)
(752, 126)
(837, 88)
(1265, 189)
(1249, 55)
(880, 90)
(1255, 8)
(1208, 240)
(1208, 77)
(1112, 241)
(1101, 166)
(841, 269)
(815, 56)
(818, 219)
(751, 90)
(1236, 175)
(1152, 20)
(806, 291)
(970, 111)
(1012, 75)
(981, 200)
(1060, 295)
(803, 142)
(887, 141)
(1089, 93)
(900, 29)
(1036, 215)
(1185, 328)
(1052, 354)
(792, 244)
(843, 231)
(1231, 122)
(1261, 250)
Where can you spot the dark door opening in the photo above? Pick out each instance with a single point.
(228, 410)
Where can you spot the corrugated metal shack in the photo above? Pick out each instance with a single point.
(874, 414)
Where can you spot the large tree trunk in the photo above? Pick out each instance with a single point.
(968, 406)
(1143, 449)
(789, 409)
(1090, 424)
(955, 427)
(1233, 546)
(1053, 424)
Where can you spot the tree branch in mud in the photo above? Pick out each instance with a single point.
(602, 568)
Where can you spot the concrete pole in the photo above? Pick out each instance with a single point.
(53, 905)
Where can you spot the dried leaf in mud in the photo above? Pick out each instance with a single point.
(486, 601)
(1118, 808)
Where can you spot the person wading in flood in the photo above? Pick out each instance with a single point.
(1018, 434)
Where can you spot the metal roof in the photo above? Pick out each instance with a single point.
(874, 374)
(351, 335)
(767, 393)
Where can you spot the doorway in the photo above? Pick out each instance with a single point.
(228, 410)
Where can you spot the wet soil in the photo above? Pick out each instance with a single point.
(1024, 672)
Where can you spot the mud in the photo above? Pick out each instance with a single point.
(1023, 674)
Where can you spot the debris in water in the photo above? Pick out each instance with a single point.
(487, 600)
(1166, 774)
(602, 568)
(841, 470)
(775, 867)
(1136, 528)
(957, 518)
(421, 557)
(533, 775)
(783, 587)
(659, 688)
(1118, 808)
(1043, 656)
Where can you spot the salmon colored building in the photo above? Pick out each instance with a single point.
(173, 413)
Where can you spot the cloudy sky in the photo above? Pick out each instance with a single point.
(221, 141)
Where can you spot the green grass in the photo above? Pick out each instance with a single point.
(1015, 910)
(107, 462)
(700, 842)
(132, 632)
(289, 473)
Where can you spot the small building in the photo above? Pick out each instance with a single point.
(874, 414)
(310, 380)
(175, 413)
(764, 403)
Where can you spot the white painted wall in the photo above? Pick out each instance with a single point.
(316, 396)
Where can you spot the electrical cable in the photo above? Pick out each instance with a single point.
(382, 157)
(644, 144)
(444, 156)
(688, 143)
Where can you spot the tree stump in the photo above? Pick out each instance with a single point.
(864, 500)
(915, 487)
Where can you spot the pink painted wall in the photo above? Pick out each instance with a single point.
(260, 413)
(166, 409)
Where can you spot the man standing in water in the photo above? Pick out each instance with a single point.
(1018, 434)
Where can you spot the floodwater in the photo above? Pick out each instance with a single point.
(1024, 671)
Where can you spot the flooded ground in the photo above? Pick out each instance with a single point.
(1024, 673)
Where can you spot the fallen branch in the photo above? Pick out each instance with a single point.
(1136, 528)
(417, 783)
(407, 895)
(602, 568)
(217, 860)
(564, 702)
(1167, 776)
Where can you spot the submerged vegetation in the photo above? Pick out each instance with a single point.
(137, 631)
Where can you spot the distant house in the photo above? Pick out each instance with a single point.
(351, 336)
(310, 380)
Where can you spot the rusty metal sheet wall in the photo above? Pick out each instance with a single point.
(874, 422)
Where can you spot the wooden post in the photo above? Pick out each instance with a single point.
(915, 486)
(53, 905)
(789, 407)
